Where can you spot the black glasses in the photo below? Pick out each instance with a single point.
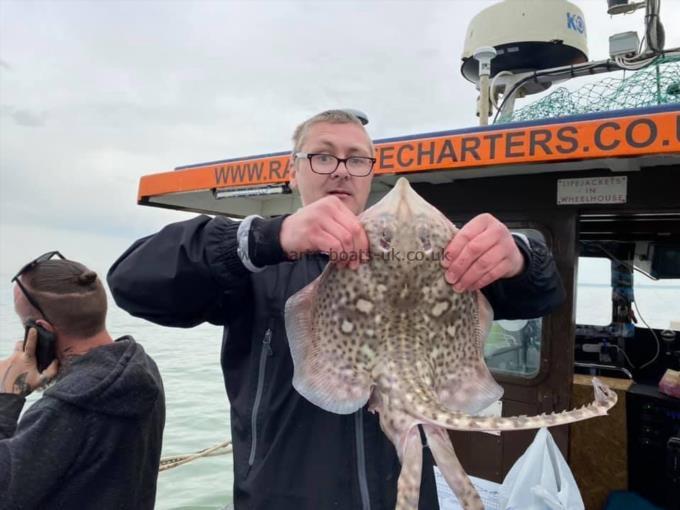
(42, 258)
(358, 166)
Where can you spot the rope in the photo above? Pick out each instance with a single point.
(178, 460)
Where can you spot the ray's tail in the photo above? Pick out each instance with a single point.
(451, 468)
(435, 413)
(408, 486)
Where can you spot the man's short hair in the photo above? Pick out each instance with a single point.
(329, 116)
(72, 296)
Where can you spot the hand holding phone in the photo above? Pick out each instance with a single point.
(45, 348)
(19, 374)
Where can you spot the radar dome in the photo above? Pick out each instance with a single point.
(528, 35)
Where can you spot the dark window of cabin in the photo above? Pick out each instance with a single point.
(514, 347)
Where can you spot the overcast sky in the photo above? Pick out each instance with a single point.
(94, 95)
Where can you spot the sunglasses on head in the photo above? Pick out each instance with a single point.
(42, 258)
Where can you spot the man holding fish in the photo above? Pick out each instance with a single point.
(289, 453)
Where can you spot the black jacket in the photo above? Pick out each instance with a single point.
(288, 454)
(92, 441)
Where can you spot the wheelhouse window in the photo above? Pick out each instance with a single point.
(514, 347)
(657, 302)
(594, 300)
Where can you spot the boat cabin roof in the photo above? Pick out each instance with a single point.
(617, 141)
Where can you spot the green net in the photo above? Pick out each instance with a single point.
(656, 84)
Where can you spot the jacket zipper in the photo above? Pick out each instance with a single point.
(266, 353)
(361, 460)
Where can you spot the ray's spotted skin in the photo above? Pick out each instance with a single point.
(394, 334)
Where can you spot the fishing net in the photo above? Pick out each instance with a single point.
(656, 84)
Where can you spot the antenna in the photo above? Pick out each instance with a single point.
(623, 6)
(484, 55)
(539, 43)
(524, 36)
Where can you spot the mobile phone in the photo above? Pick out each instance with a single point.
(45, 348)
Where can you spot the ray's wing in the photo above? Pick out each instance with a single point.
(462, 380)
(332, 354)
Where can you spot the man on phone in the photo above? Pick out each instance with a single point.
(94, 438)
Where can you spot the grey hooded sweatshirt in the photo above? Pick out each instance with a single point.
(92, 441)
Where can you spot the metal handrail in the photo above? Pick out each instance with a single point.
(625, 371)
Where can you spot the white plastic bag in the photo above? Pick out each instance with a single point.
(540, 479)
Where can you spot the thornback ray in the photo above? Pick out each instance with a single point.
(393, 333)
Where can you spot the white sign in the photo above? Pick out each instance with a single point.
(592, 190)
